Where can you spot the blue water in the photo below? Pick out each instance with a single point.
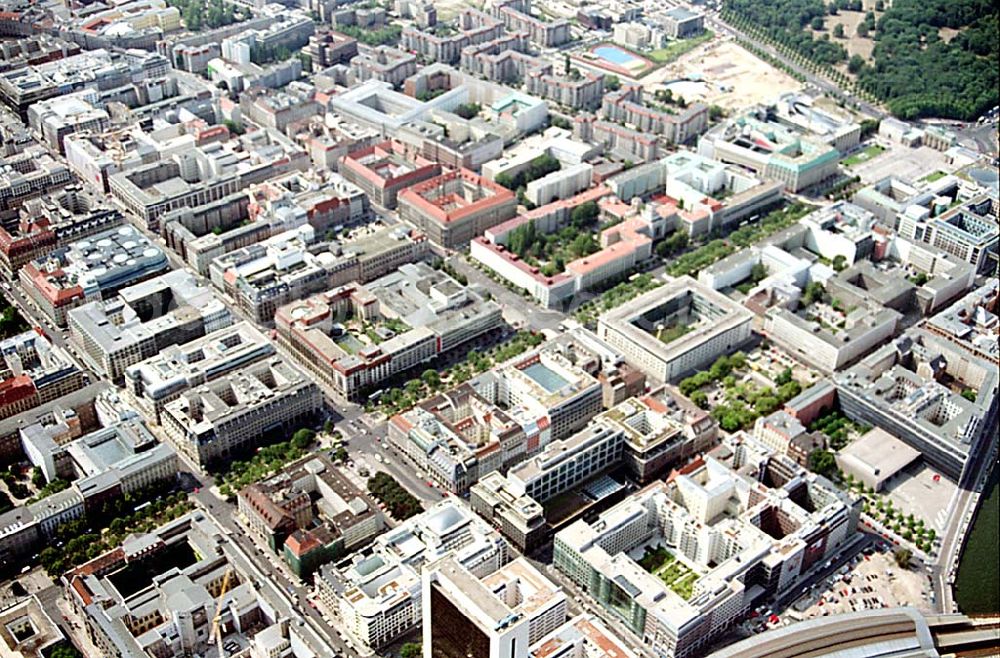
(614, 55)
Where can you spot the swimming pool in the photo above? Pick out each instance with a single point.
(615, 55)
(620, 60)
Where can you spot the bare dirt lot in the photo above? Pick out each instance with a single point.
(729, 76)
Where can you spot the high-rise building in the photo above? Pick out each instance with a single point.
(498, 616)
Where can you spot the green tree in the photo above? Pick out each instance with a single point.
(838, 31)
(302, 438)
(468, 110)
(411, 650)
(902, 557)
(862, 30)
(855, 64)
(700, 398)
(783, 377)
(431, 378)
(822, 462)
(612, 83)
(584, 215)
(816, 23)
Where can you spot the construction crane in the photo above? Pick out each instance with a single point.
(215, 632)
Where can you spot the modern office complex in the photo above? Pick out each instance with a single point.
(831, 347)
(510, 413)
(776, 152)
(144, 319)
(969, 231)
(111, 462)
(718, 541)
(899, 388)
(516, 515)
(179, 367)
(676, 328)
(231, 415)
(378, 593)
(357, 336)
(310, 514)
(647, 435)
(91, 269)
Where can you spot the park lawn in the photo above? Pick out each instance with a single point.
(934, 175)
(863, 156)
(675, 49)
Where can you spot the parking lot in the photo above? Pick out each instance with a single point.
(871, 582)
(916, 491)
(900, 161)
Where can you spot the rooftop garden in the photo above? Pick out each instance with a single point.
(541, 166)
(674, 573)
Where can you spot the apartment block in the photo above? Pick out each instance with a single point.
(676, 128)
(560, 184)
(438, 45)
(517, 17)
(584, 93)
(384, 64)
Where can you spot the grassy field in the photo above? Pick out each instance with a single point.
(863, 156)
(675, 49)
(933, 176)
